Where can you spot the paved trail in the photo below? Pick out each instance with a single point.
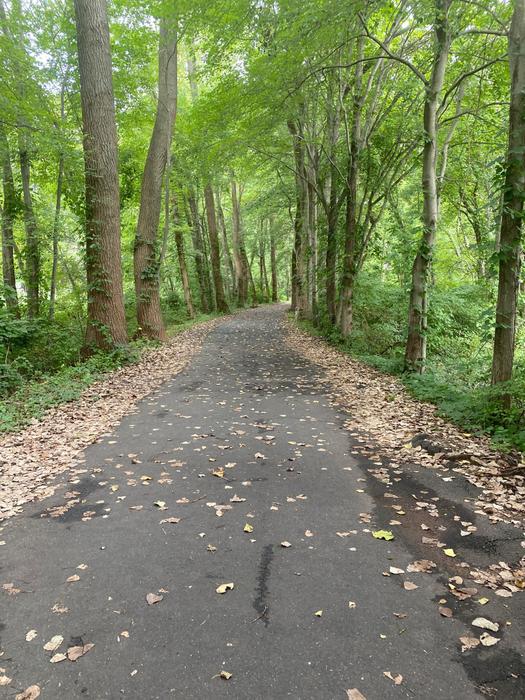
(248, 406)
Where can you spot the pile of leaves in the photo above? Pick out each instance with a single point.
(409, 431)
(49, 446)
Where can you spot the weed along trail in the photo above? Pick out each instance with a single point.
(235, 537)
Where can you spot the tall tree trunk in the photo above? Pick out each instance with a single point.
(198, 251)
(56, 221)
(512, 211)
(273, 262)
(416, 347)
(225, 246)
(8, 217)
(179, 243)
(32, 256)
(146, 262)
(56, 232)
(239, 252)
(346, 299)
(215, 254)
(106, 325)
(299, 270)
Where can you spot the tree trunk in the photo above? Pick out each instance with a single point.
(512, 212)
(416, 347)
(146, 262)
(56, 232)
(198, 251)
(32, 262)
(239, 252)
(215, 254)
(299, 270)
(226, 247)
(273, 263)
(179, 242)
(346, 299)
(106, 325)
(8, 217)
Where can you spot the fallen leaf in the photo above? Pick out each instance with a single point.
(308, 533)
(449, 552)
(172, 521)
(409, 586)
(57, 658)
(383, 535)
(161, 505)
(152, 598)
(394, 570)
(31, 635)
(318, 613)
(248, 528)
(488, 640)
(74, 653)
(73, 578)
(468, 643)
(285, 544)
(31, 693)
(226, 675)
(483, 601)
(485, 624)
(354, 694)
(445, 612)
(224, 587)
(5, 680)
(54, 643)
(398, 679)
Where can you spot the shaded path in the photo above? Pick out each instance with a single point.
(247, 406)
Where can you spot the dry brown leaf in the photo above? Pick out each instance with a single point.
(57, 658)
(172, 521)
(409, 586)
(152, 598)
(73, 578)
(468, 643)
(398, 679)
(31, 635)
(445, 612)
(354, 694)
(488, 640)
(54, 643)
(485, 624)
(5, 680)
(31, 693)
(225, 587)
(74, 653)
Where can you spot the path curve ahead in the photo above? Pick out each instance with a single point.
(250, 408)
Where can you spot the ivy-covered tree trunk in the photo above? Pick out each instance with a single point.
(239, 251)
(32, 252)
(179, 243)
(106, 324)
(215, 253)
(8, 217)
(416, 346)
(346, 298)
(299, 267)
(146, 257)
(511, 227)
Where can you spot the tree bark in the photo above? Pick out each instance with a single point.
(346, 299)
(416, 346)
(198, 251)
(179, 243)
(146, 259)
(106, 325)
(273, 263)
(32, 256)
(239, 251)
(512, 211)
(8, 217)
(226, 247)
(215, 254)
(299, 267)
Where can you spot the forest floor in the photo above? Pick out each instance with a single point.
(273, 510)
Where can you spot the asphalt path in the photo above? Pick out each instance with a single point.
(307, 621)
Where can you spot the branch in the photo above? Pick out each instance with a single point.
(393, 56)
